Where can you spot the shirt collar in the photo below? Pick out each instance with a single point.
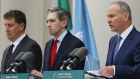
(18, 40)
(126, 32)
(61, 37)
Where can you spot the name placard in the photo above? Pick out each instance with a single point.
(73, 74)
(15, 76)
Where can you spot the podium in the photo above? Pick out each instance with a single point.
(72, 74)
(15, 76)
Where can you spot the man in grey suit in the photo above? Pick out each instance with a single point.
(15, 25)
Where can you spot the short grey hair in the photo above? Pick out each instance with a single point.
(61, 14)
(124, 7)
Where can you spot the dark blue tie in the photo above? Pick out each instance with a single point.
(117, 47)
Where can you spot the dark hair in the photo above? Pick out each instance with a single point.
(124, 7)
(61, 14)
(17, 15)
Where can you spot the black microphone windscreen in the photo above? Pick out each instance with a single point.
(19, 56)
(27, 57)
(71, 55)
(81, 53)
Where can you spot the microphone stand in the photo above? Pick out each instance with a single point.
(63, 67)
(18, 68)
(72, 64)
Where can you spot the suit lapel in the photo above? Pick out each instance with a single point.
(3, 60)
(125, 45)
(64, 45)
(5, 54)
(17, 50)
(111, 51)
(48, 55)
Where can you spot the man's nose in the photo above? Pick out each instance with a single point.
(6, 28)
(48, 24)
(109, 20)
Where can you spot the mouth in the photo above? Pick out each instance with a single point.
(8, 34)
(50, 29)
(110, 25)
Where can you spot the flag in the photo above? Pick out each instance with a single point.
(82, 29)
(65, 4)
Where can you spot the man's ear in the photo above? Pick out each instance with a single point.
(125, 16)
(64, 23)
(22, 25)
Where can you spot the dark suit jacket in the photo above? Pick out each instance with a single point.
(25, 45)
(127, 62)
(68, 44)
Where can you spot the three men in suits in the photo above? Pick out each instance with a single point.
(57, 22)
(123, 60)
(15, 25)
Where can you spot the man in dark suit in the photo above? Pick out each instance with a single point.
(57, 22)
(15, 24)
(123, 60)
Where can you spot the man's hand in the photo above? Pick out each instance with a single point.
(36, 73)
(107, 71)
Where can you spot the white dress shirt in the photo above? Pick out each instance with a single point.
(60, 39)
(15, 43)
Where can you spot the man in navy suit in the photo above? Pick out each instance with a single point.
(57, 22)
(123, 60)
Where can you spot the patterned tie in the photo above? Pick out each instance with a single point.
(53, 52)
(9, 54)
(117, 48)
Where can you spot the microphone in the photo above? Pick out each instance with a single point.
(70, 57)
(78, 57)
(12, 65)
(19, 56)
(25, 59)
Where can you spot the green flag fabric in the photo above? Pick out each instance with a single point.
(65, 4)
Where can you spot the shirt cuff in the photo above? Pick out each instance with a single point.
(114, 70)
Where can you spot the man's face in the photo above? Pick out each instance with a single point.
(13, 29)
(115, 18)
(56, 27)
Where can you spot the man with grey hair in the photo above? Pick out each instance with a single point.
(123, 60)
(58, 48)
